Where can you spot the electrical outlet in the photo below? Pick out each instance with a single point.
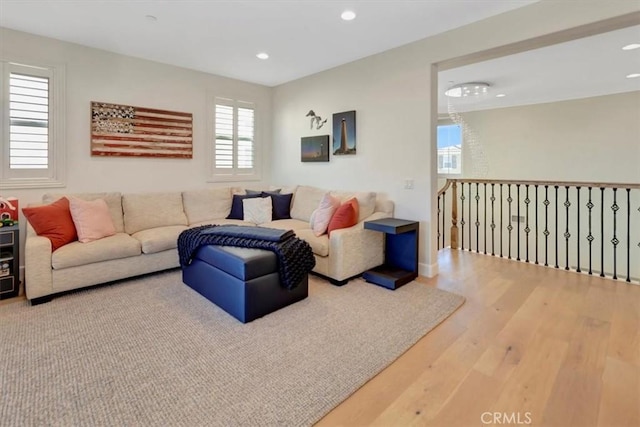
(516, 218)
(408, 184)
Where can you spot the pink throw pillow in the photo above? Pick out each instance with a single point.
(321, 217)
(91, 218)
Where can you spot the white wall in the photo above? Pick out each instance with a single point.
(96, 75)
(589, 139)
(393, 95)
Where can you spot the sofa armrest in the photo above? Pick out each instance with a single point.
(355, 250)
(37, 265)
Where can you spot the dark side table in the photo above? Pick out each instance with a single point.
(401, 252)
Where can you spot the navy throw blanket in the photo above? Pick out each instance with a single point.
(295, 258)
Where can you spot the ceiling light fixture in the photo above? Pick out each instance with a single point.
(151, 18)
(633, 76)
(468, 89)
(500, 95)
(631, 46)
(348, 15)
(262, 55)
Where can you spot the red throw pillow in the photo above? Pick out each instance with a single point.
(53, 222)
(346, 216)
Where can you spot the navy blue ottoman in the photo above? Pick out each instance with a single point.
(243, 282)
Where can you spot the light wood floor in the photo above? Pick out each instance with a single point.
(535, 345)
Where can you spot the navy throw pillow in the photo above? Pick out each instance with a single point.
(280, 203)
(237, 210)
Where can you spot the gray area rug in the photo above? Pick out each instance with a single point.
(151, 351)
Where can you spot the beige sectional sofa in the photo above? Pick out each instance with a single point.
(148, 225)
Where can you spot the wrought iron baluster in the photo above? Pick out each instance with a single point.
(470, 228)
(602, 232)
(501, 215)
(614, 240)
(527, 230)
(537, 223)
(518, 222)
(444, 209)
(509, 227)
(438, 223)
(477, 218)
(484, 219)
(493, 223)
(546, 225)
(628, 235)
(590, 237)
(556, 187)
(567, 203)
(462, 219)
(578, 229)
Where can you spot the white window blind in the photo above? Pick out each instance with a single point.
(32, 126)
(234, 148)
(28, 121)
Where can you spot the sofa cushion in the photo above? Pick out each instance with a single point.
(151, 210)
(305, 201)
(321, 217)
(281, 204)
(366, 202)
(346, 216)
(257, 210)
(119, 245)
(53, 221)
(201, 205)
(222, 221)
(113, 200)
(287, 224)
(237, 210)
(319, 244)
(91, 218)
(159, 239)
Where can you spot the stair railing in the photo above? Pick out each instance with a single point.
(587, 227)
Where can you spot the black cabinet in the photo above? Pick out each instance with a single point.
(9, 262)
(401, 252)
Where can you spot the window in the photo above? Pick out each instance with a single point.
(33, 127)
(234, 148)
(449, 149)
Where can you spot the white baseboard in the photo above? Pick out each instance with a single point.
(428, 270)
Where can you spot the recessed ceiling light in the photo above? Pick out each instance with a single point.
(633, 76)
(348, 15)
(151, 18)
(631, 46)
(500, 95)
(263, 55)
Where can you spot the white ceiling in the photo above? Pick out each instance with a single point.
(591, 66)
(223, 36)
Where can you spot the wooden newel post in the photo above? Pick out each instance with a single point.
(454, 216)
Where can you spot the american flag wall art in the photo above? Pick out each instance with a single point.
(126, 131)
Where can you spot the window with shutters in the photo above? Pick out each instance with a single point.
(32, 126)
(235, 154)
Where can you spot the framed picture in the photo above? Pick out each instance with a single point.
(127, 131)
(314, 148)
(344, 133)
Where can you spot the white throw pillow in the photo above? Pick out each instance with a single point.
(321, 217)
(257, 210)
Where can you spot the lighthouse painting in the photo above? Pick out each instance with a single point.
(314, 148)
(344, 133)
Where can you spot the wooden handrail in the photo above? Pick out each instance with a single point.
(550, 183)
(445, 188)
